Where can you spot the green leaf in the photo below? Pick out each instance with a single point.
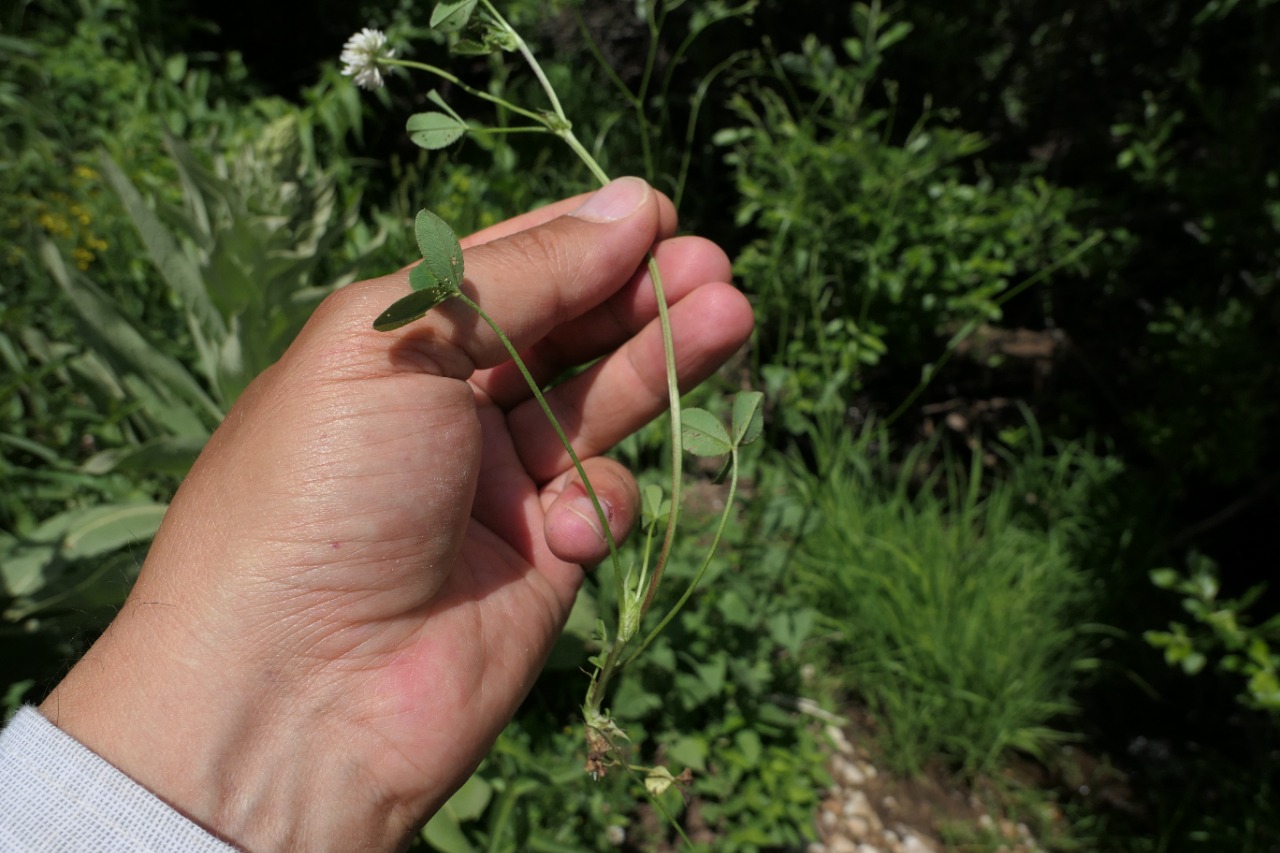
(748, 417)
(704, 435)
(113, 336)
(433, 131)
(689, 751)
(658, 781)
(178, 270)
(441, 252)
(444, 834)
(471, 799)
(77, 534)
(449, 16)
(97, 531)
(749, 743)
(436, 98)
(444, 831)
(420, 278)
(168, 455)
(412, 307)
(893, 35)
(653, 508)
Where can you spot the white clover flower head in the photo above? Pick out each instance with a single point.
(362, 56)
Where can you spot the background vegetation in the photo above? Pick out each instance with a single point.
(1015, 271)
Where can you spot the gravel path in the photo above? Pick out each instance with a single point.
(869, 811)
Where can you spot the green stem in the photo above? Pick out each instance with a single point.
(565, 132)
(600, 681)
(702, 570)
(677, 443)
(562, 127)
(470, 90)
(523, 47)
(555, 424)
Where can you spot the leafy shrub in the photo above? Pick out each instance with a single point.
(1221, 629)
(872, 240)
(119, 369)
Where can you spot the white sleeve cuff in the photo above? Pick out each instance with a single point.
(57, 795)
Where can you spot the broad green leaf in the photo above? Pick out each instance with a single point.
(441, 252)
(170, 415)
(492, 40)
(748, 417)
(178, 270)
(471, 799)
(452, 15)
(433, 131)
(444, 831)
(168, 455)
(689, 751)
(119, 342)
(703, 433)
(99, 584)
(22, 571)
(76, 535)
(412, 307)
(712, 673)
(103, 529)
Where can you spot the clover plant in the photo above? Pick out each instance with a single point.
(477, 28)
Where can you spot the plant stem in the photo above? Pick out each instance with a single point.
(702, 570)
(470, 90)
(565, 132)
(555, 424)
(523, 47)
(563, 128)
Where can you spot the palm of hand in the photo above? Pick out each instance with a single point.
(357, 583)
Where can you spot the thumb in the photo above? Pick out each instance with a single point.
(529, 282)
(572, 527)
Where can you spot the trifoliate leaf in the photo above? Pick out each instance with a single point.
(703, 434)
(653, 507)
(412, 307)
(449, 16)
(748, 417)
(434, 130)
(441, 252)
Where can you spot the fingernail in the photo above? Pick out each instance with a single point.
(616, 200)
(586, 510)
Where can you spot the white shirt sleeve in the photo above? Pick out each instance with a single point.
(56, 795)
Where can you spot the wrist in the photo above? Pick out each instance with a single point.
(223, 742)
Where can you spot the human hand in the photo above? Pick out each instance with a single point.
(363, 573)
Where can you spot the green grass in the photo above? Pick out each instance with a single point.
(956, 621)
